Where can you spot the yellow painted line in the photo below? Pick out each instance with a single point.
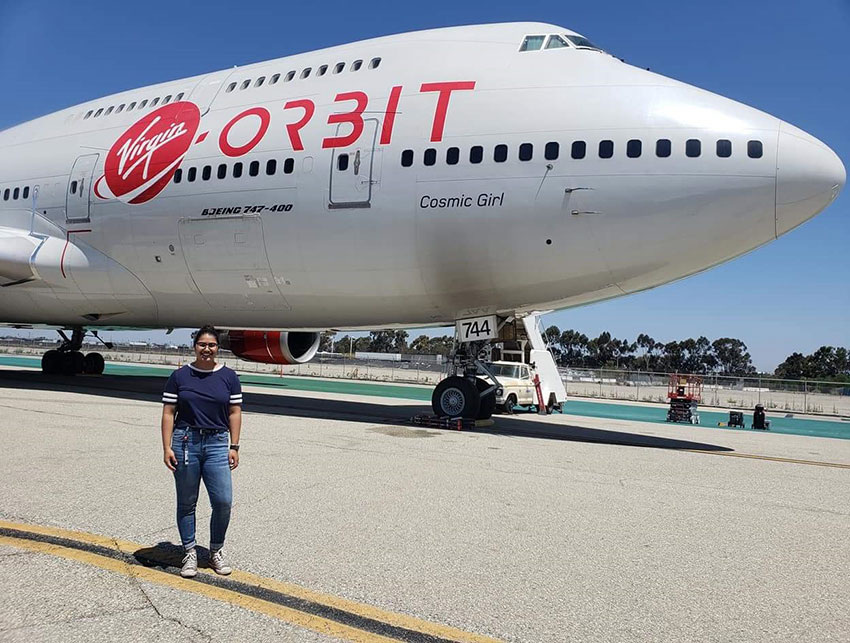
(294, 617)
(290, 589)
(769, 458)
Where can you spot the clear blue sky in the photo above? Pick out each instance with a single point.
(786, 57)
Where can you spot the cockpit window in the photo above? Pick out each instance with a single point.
(532, 43)
(581, 42)
(556, 42)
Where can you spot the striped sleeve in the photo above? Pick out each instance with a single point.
(169, 395)
(235, 389)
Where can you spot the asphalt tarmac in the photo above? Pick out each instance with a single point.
(351, 524)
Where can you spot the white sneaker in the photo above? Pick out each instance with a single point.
(190, 564)
(218, 564)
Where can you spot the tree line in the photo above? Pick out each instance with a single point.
(723, 356)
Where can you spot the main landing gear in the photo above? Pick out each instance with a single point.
(465, 394)
(68, 360)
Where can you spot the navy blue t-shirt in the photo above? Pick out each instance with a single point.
(203, 398)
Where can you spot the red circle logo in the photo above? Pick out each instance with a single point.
(145, 157)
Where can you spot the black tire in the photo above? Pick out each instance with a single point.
(51, 362)
(93, 364)
(552, 404)
(488, 402)
(456, 397)
(510, 403)
(72, 363)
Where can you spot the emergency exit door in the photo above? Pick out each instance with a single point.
(354, 170)
(78, 196)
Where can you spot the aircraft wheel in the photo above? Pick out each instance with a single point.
(488, 402)
(456, 397)
(551, 404)
(51, 362)
(72, 363)
(93, 364)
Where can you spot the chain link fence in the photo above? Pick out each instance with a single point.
(792, 396)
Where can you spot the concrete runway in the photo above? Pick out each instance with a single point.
(350, 524)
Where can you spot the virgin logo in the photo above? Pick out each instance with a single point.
(144, 159)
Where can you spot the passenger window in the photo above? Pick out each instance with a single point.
(339, 67)
(273, 80)
(606, 149)
(551, 151)
(288, 166)
(289, 76)
(98, 112)
(131, 106)
(526, 151)
(259, 82)
(222, 171)
(271, 167)
(6, 193)
(556, 42)
(321, 70)
(452, 156)
(73, 187)
(693, 148)
(143, 104)
(663, 147)
(155, 102)
(26, 193)
(724, 148)
(16, 193)
(306, 72)
(532, 43)
(476, 154)
(373, 64)
(634, 148)
(178, 97)
(120, 108)
(342, 162)
(356, 65)
(230, 87)
(754, 149)
(109, 110)
(206, 173)
(430, 157)
(245, 84)
(167, 99)
(254, 168)
(579, 149)
(237, 170)
(178, 175)
(407, 158)
(88, 114)
(192, 174)
(500, 153)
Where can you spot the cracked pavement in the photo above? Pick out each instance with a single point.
(499, 533)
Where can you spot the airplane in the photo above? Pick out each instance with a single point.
(467, 175)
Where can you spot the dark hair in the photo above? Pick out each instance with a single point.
(207, 329)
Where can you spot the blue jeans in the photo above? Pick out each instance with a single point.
(202, 455)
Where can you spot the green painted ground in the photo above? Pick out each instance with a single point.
(794, 426)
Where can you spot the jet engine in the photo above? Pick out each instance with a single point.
(271, 346)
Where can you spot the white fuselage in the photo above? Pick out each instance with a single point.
(345, 234)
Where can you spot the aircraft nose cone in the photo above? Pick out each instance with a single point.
(809, 176)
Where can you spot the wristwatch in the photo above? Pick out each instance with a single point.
(234, 447)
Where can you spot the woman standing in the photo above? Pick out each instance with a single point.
(201, 422)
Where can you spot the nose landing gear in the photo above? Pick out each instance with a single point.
(68, 360)
(465, 394)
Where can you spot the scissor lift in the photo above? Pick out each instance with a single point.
(685, 394)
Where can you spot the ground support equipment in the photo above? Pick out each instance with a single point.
(685, 394)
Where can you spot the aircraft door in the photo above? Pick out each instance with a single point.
(207, 89)
(354, 170)
(227, 259)
(78, 195)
